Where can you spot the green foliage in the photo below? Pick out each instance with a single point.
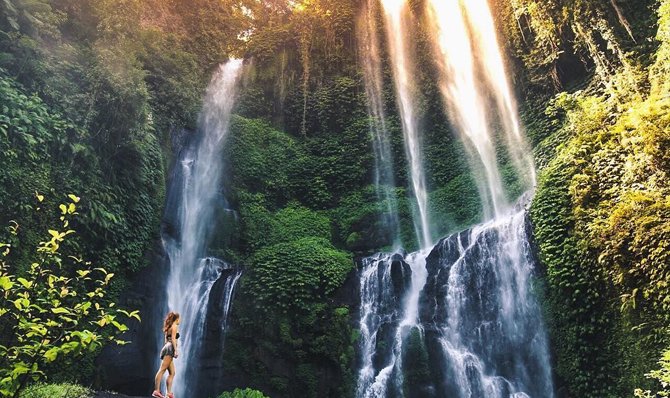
(262, 228)
(662, 376)
(342, 161)
(55, 308)
(264, 160)
(601, 219)
(239, 393)
(296, 222)
(358, 221)
(330, 100)
(64, 390)
(456, 205)
(293, 276)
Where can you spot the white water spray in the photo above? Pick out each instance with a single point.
(485, 40)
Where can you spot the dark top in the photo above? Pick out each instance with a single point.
(168, 337)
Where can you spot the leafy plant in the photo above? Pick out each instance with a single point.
(601, 217)
(55, 307)
(662, 376)
(292, 276)
(239, 393)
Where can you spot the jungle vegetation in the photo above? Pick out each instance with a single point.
(92, 93)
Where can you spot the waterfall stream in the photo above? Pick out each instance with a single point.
(198, 200)
(371, 62)
(480, 313)
(396, 15)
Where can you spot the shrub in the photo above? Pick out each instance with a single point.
(246, 393)
(54, 307)
(64, 390)
(292, 276)
(662, 376)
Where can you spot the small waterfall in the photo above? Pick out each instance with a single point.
(200, 308)
(370, 60)
(390, 288)
(384, 282)
(198, 200)
(481, 316)
(397, 18)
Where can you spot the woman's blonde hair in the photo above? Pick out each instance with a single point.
(169, 320)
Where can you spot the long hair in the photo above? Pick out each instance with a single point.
(169, 320)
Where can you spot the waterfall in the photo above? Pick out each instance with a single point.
(466, 47)
(489, 54)
(389, 289)
(465, 104)
(397, 18)
(389, 313)
(480, 315)
(468, 300)
(382, 287)
(471, 300)
(197, 199)
(370, 60)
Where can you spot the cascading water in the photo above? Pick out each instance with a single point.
(372, 72)
(198, 200)
(463, 99)
(383, 284)
(389, 313)
(483, 326)
(396, 15)
(199, 308)
(390, 285)
(468, 299)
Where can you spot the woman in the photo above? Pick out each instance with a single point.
(168, 353)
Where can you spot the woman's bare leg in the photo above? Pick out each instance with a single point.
(171, 373)
(167, 360)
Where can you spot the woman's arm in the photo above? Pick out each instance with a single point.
(174, 339)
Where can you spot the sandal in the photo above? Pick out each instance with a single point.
(157, 394)
(170, 395)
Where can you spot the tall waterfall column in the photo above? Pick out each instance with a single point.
(397, 17)
(199, 200)
(370, 61)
